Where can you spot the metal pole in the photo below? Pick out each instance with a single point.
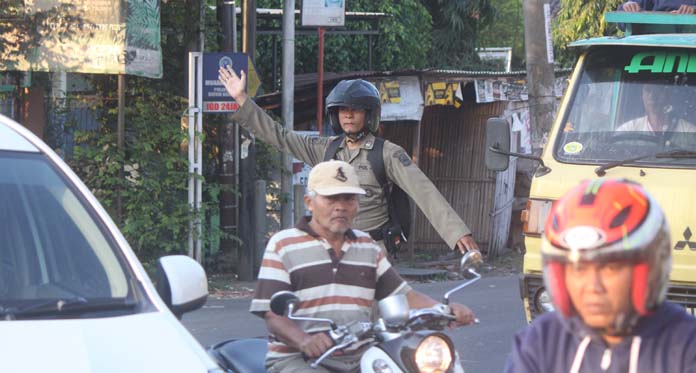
(195, 155)
(320, 81)
(120, 134)
(369, 52)
(299, 192)
(288, 109)
(249, 30)
(192, 113)
(228, 139)
(198, 254)
(247, 163)
(228, 26)
(540, 75)
(260, 209)
(274, 76)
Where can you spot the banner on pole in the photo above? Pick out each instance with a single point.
(323, 13)
(84, 36)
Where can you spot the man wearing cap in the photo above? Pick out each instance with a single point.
(337, 273)
(353, 108)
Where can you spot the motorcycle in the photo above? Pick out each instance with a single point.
(401, 340)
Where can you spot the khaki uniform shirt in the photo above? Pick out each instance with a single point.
(373, 212)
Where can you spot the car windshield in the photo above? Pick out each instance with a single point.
(53, 251)
(632, 106)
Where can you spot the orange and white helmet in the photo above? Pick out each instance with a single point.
(608, 220)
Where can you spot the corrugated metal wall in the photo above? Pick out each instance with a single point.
(452, 156)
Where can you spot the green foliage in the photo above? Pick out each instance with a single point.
(153, 185)
(415, 34)
(403, 42)
(506, 30)
(455, 29)
(580, 19)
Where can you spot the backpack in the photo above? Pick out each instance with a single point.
(398, 202)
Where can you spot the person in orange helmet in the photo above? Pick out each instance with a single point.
(606, 255)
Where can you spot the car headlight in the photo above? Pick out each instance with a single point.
(433, 355)
(543, 301)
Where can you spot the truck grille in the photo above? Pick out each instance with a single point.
(683, 295)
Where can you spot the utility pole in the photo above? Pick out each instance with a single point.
(227, 258)
(247, 163)
(288, 98)
(540, 71)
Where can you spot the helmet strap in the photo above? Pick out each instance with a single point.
(355, 137)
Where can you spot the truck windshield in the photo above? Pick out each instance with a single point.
(631, 103)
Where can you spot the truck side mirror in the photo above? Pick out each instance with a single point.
(498, 138)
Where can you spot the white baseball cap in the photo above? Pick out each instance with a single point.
(334, 177)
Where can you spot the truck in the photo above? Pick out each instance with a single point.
(629, 112)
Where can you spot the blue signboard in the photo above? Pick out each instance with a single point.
(215, 97)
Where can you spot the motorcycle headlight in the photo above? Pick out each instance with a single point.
(433, 355)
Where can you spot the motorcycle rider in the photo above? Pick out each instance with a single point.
(607, 256)
(353, 108)
(337, 273)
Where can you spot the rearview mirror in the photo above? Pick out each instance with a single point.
(469, 263)
(497, 137)
(394, 310)
(281, 301)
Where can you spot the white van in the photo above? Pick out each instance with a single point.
(73, 296)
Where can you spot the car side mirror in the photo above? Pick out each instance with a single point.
(181, 283)
(497, 138)
(281, 301)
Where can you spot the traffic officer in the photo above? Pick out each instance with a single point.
(353, 108)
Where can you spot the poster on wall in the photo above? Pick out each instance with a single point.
(401, 99)
(511, 89)
(84, 36)
(442, 93)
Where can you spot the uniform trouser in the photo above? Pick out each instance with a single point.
(298, 364)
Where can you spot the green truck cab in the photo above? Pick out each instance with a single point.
(629, 112)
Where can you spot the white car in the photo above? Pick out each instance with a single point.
(73, 296)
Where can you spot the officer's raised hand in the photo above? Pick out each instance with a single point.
(235, 85)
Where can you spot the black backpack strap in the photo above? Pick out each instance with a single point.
(332, 149)
(376, 159)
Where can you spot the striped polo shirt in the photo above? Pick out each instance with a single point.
(342, 289)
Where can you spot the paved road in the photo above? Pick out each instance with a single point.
(482, 348)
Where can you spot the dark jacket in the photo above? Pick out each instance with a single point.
(661, 5)
(663, 342)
